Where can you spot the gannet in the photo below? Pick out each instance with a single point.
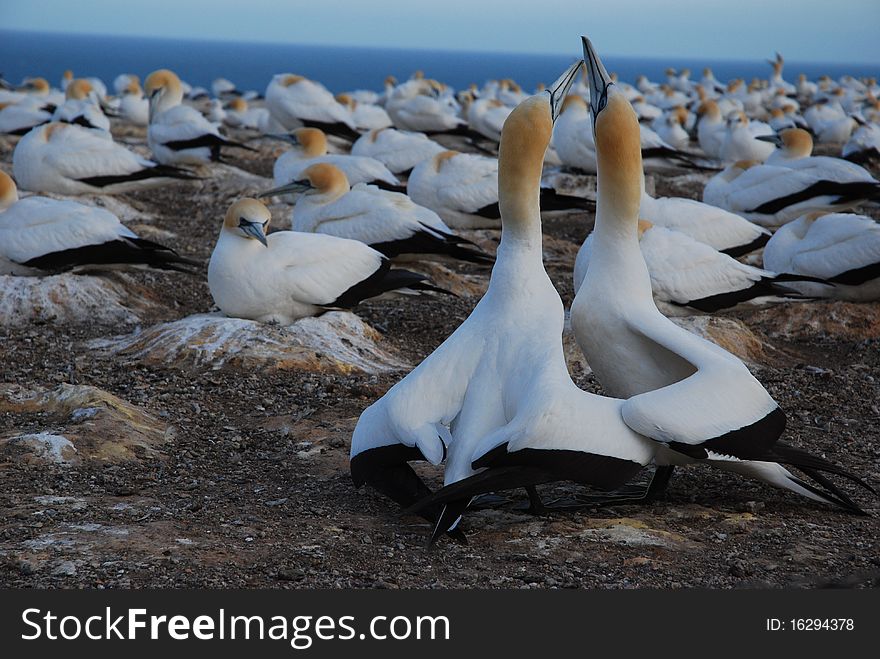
(791, 144)
(68, 159)
(239, 114)
(221, 87)
(398, 150)
(776, 81)
(295, 101)
(310, 148)
(771, 195)
(417, 105)
(389, 222)
(81, 107)
(671, 129)
(365, 116)
(180, 134)
(133, 107)
(485, 115)
(496, 395)
(39, 235)
(698, 402)
(864, 145)
(287, 275)
(742, 140)
(689, 277)
(19, 118)
(841, 248)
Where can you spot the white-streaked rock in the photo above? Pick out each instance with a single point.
(337, 341)
(112, 298)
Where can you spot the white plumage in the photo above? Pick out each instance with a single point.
(398, 150)
(295, 101)
(19, 118)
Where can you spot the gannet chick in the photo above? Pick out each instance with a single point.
(389, 222)
(70, 159)
(41, 236)
(295, 101)
(496, 397)
(842, 248)
(180, 134)
(689, 277)
(398, 150)
(771, 195)
(310, 148)
(698, 402)
(287, 275)
(81, 107)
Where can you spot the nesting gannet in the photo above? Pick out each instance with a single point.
(180, 134)
(496, 395)
(398, 150)
(688, 276)
(310, 148)
(287, 275)
(725, 231)
(771, 195)
(791, 144)
(698, 402)
(485, 115)
(365, 116)
(295, 101)
(841, 248)
(133, 106)
(239, 114)
(864, 145)
(81, 107)
(742, 141)
(39, 88)
(389, 222)
(417, 105)
(19, 118)
(221, 87)
(671, 130)
(39, 235)
(70, 159)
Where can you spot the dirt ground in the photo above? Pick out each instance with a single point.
(250, 485)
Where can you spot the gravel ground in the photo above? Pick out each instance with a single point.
(253, 489)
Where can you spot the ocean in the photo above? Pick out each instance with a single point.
(251, 65)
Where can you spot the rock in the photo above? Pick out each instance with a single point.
(110, 299)
(826, 319)
(337, 341)
(729, 333)
(463, 285)
(631, 532)
(89, 424)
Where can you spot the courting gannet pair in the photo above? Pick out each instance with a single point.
(287, 275)
(41, 236)
(498, 403)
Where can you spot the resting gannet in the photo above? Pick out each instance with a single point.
(310, 148)
(696, 401)
(20, 117)
(287, 275)
(81, 107)
(365, 116)
(180, 134)
(389, 222)
(842, 248)
(41, 236)
(398, 150)
(495, 399)
(790, 143)
(70, 159)
(864, 145)
(295, 101)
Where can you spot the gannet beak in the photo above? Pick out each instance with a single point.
(600, 81)
(254, 230)
(773, 139)
(294, 187)
(284, 137)
(559, 89)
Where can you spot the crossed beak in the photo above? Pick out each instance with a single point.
(559, 89)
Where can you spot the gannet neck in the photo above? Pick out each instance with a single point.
(8, 191)
(524, 139)
(164, 90)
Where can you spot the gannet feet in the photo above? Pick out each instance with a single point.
(626, 495)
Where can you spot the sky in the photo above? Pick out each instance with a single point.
(803, 30)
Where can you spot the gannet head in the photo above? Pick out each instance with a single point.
(134, 86)
(617, 138)
(79, 89)
(390, 81)
(164, 90)
(347, 101)
(442, 158)
(291, 79)
(319, 179)
(238, 104)
(36, 86)
(249, 219)
(795, 142)
(8, 191)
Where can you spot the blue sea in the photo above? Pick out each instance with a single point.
(251, 65)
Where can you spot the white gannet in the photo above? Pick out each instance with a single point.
(742, 140)
(82, 107)
(310, 148)
(122, 83)
(295, 101)
(398, 150)
(463, 189)
(771, 195)
(365, 116)
(389, 222)
(671, 128)
(286, 275)
(776, 81)
(133, 106)
(68, 159)
(19, 118)
(725, 231)
(496, 397)
(39, 235)
(180, 134)
(698, 402)
(688, 276)
(221, 87)
(39, 88)
(239, 114)
(572, 141)
(791, 144)
(842, 248)
(485, 115)
(418, 105)
(864, 145)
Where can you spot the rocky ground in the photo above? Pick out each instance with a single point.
(130, 460)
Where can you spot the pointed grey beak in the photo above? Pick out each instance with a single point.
(559, 89)
(294, 187)
(254, 230)
(773, 139)
(284, 137)
(600, 81)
